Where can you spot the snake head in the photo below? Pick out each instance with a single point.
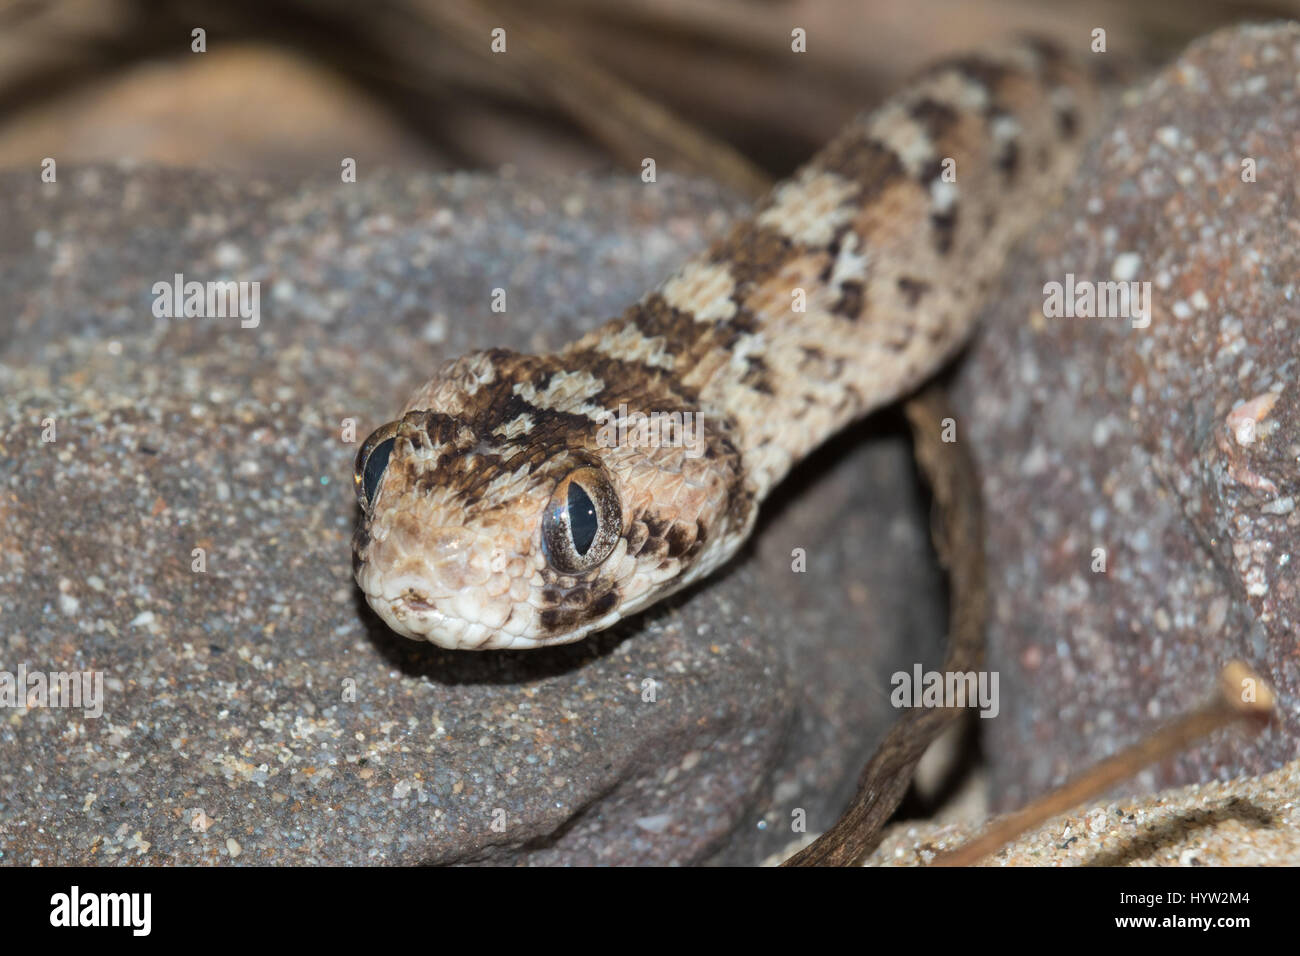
(506, 509)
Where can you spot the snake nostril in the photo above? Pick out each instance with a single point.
(415, 602)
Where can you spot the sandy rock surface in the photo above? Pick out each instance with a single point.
(258, 700)
(1165, 443)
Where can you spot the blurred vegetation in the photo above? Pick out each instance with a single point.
(583, 84)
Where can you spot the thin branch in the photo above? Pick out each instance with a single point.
(959, 539)
(1242, 697)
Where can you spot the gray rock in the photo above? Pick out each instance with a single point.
(228, 713)
(1099, 433)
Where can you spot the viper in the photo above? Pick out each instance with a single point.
(498, 512)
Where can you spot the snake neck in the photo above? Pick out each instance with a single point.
(863, 273)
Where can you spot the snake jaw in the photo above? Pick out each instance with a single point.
(412, 616)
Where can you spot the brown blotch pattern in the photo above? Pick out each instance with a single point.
(912, 289)
(937, 118)
(943, 225)
(754, 253)
(653, 316)
(851, 300)
(985, 72)
(857, 157)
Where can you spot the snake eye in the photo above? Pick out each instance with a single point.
(582, 522)
(371, 461)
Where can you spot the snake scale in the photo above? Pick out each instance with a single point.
(497, 513)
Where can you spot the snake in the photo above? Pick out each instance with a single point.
(520, 501)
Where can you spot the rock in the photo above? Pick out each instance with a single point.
(1172, 447)
(1250, 821)
(256, 708)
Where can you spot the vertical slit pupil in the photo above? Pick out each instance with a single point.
(375, 466)
(582, 519)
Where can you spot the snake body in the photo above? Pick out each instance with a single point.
(496, 511)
